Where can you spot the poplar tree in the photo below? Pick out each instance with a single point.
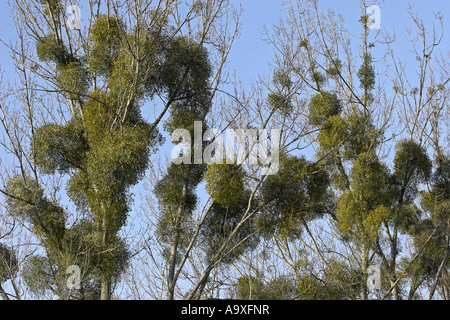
(431, 264)
(106, 76)
(188, 68)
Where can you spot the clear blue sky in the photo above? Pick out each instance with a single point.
(251, 54)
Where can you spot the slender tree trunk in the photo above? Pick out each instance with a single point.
(364, 266)
(438, 274)
(446, 285)
(172, 264)
(105, 288)
(196, 292)
(202, 285)
(395, 289)
(392, 265)
(173, 253)
(105, 293)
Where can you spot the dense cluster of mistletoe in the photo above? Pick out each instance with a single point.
(105, 147)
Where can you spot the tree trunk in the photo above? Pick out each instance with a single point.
(105, 288)
(364, 266)
(172, 264)
(173, 252)
(392, 266)
(201, 282)
(105, 293)
(438, 274)
(202, 285)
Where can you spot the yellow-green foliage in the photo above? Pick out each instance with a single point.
(405, 217)
(221, 222)
(337, 284)
(369, 177)
(121, 80)
(52, 7)
(334, 132)
(169, 189)
(116, 159)
(357, 220)
(366, 73)
(106, 35)
(60, 148)
(335, 67)
(119, 157)
(104, 149)
(37, 275)
(73, 80)
(27, 202)
(8, 263)
(280, 98)
(99, 113)
(185, 73)
(363, 207)
(82, 247)
(342, 136)
(252, 288)
(71, 76)
(177, 199)
(225, 183)
(363, 137)
(279, 101)
(428, 262)
(411, 163)
(323, 106)
(437, 200)
(49, 49)
(441, 212)
(297, 193)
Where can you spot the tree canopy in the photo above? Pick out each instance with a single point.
(94, 206)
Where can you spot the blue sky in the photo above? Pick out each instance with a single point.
(251, 54)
